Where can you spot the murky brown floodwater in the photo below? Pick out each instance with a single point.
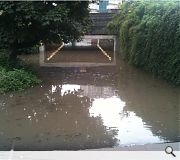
(104, 107)
(79, 55)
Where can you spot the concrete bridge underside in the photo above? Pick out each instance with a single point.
(99, 23)
(96, 55)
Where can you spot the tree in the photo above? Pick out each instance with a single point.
(24, 24)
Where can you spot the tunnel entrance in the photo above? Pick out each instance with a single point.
(91, 51)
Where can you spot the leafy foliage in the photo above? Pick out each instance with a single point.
(25, 24)
(29, 50)
(149, 34)
(4, 58)
(16, 79)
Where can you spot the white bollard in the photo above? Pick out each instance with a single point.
(41, 54)
(41, 48)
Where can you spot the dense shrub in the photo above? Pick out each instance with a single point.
(4, 58)
(16, 79)
(13, 79)
(149, 35)
(29, 50)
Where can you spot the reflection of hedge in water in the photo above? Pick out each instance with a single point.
(149, 34)
(155, 102)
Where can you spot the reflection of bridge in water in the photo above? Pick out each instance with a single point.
(90, 91)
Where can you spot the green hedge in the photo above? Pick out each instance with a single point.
(149, 35)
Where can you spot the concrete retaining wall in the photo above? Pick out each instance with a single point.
(99, 23)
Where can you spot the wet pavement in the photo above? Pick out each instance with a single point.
(102, 107)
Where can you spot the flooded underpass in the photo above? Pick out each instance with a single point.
(101, 107)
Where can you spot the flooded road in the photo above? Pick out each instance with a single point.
(103, 107)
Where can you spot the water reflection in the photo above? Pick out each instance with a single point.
(156, 102)
(112, 111)
(90, 110)
(55, 120)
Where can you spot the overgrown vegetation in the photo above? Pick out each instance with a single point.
(26, 24)
(23, 25)
(149, 35)
(14, 79)
(29, 50)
